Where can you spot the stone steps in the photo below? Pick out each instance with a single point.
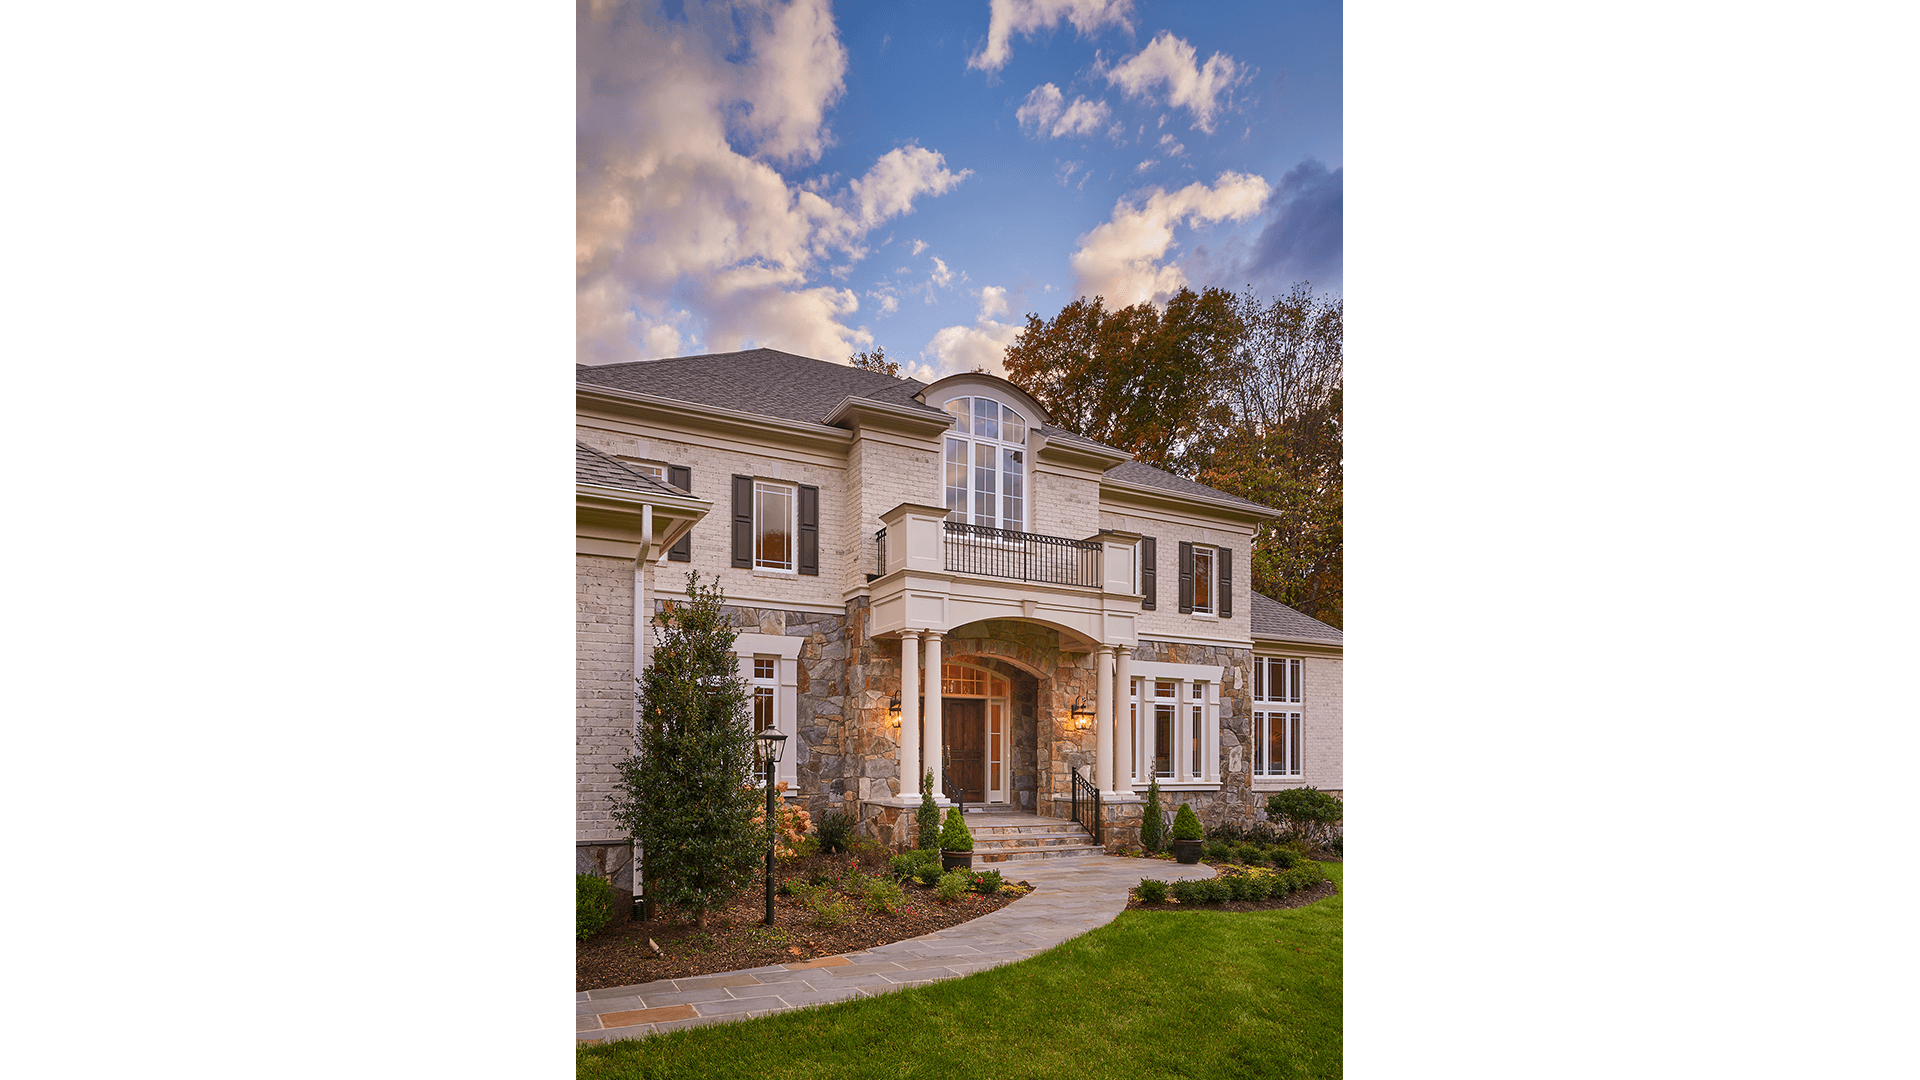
(1000, 837)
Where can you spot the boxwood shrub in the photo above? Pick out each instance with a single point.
(592, 905)
(1151, 891)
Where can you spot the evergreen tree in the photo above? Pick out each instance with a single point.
(1150, 823)
(686, 795)
(927, 821)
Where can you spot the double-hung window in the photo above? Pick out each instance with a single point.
(985, 464)
(765, 671)
(773, 531)
(1276, 716)
(1203, 580)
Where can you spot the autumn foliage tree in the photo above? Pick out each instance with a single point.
(874, 361)
(1239, 394)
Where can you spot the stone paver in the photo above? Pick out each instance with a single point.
(1070, 897)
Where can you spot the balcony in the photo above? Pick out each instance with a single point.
(1005, 553)
(935, 574)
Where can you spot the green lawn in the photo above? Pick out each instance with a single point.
(1190, 993)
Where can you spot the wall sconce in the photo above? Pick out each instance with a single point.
(1082, 716)
(893, 711)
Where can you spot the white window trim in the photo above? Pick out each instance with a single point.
(785, 693)
(971, 440)
(1273, 706)
(1145, 674)
(793, 527)
(1212, 611)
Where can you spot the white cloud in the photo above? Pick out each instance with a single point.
(1169, 61)
(686, 235)
(1046, 112)
(1120, 259)
(918, 247)
(993, 301)
(1147, 164)
(887, 297)
(1171, 146)
(1028, 17)
(941, 276)
(963, 348)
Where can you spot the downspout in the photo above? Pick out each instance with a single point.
(640, 654)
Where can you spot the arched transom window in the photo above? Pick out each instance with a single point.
(986, 464)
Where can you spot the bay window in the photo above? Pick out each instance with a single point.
(1174, 714)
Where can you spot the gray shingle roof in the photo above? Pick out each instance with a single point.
(1134, 472)
(1273, 620)
(764, 381)
(590, 466)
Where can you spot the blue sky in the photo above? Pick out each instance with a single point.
(823, 178)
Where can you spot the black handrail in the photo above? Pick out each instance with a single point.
(955, 792)
(1023, 556)
(1086, 804)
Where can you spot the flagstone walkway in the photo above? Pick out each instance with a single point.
(1070, 897)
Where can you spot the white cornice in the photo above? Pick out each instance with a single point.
(1154, 496)
(867, 412)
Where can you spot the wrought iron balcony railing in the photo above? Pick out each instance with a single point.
(1006, 553)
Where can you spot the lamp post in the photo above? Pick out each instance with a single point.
(770, 743)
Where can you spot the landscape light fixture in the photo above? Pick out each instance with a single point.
(770, 743)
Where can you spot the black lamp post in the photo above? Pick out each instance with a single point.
(770, 743)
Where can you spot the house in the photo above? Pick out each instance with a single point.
(937, 577)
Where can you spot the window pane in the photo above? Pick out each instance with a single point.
(1013, 429)
(762, 708)
(1202, 579)
(1195, 728)
(1013, 467)
(1293, 759)
(1164, 689)
(1163, 740)
(762, 669)
(983, 485)
(1259, 680)
(773, 527)
(958, 407)
(986, 418)
(1199, 689)
(1293, 682)
(956, 480)
(1276, 748)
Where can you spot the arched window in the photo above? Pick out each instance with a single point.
(986, 464)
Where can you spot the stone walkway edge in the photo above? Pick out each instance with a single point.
(1070, 897)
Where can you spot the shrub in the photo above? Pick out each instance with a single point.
(1188, 892)
(1283, 858)
(790, 823)
(1245, 887)
(988, 882)
(954, 835)
(1150, 824)
(1333, 843)
(1151, 891)
(856, 884)
(1305, 813)
(592, 905)
(927, 818)
(1214, 851)
(884, 897)
(1215, 891)
(1249, 854)
(952, 884)
(1185, 825)
(921, 866)
(833, 832)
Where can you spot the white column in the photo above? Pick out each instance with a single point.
(1103, 720)
(910, 714)
(1123, 724)
(934, 759)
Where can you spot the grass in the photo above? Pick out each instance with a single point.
(1154, 993)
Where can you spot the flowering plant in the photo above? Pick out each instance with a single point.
(790, 824)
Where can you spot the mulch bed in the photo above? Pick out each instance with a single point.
(1292, 900)
(737, 938)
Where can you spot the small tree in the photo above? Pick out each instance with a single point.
(874, 361)
(684, 794)
(954, 835)
(1185, 825)
(1150, 823)
(927, 820)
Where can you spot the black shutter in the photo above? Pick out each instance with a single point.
(1149, 578)
(1226, 583)
(810, 530)
(681, 476)
(1186, 577)
(743, 521)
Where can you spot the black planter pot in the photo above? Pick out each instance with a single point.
(1187, 851)
(956, 860)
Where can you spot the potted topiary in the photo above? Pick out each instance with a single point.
(956, 843)
(1186, 835)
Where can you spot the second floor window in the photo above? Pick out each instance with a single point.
(985, 464)
(772, 526)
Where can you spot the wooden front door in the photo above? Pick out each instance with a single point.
(963, 724)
